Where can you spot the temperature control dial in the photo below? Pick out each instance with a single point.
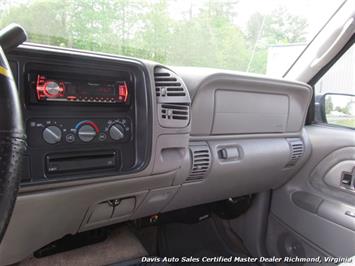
(52, 134)
(117, 131)
(86, 133)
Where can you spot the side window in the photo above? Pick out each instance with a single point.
(335, 92)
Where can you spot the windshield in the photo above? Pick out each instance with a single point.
(256, 36)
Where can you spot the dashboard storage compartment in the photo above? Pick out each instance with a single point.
(112, 210)
(124, 207)
(155, 201)
(252, 171)
(103, 211)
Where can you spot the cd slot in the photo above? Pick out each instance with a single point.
(62, 163)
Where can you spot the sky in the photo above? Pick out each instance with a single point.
(317, 12)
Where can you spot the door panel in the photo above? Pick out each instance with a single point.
(314, 212)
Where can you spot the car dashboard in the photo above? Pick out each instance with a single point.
(113, 139)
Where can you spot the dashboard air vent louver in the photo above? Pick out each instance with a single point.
(175, 111)
(173, 99)
(201, 162)
(167, 84)
(296, 150)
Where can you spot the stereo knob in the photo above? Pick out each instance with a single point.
(87, 133)
(117, 131)
(52, 134)
(52, 88)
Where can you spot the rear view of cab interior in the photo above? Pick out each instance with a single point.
(131, 161)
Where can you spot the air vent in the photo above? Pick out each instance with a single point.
(201, 162)
(174, 115)
(296, 150)
(168, 84)
(172, 98)
(175, 111)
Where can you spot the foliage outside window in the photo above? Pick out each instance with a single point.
(228, 34)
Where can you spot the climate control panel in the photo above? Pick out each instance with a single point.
(68, 131)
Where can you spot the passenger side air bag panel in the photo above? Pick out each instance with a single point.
(235, 104)
(245, 112)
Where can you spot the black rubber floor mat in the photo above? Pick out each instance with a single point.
(195, 241)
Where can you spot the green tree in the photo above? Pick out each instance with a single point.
(328, 105)
(210, 38)
(207, 36)
(39, 18)
(278, 27)
(156, 31)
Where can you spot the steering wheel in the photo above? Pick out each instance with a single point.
(12, 135)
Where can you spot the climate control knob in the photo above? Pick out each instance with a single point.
(117, 131)
(52, 134)
(86, 133)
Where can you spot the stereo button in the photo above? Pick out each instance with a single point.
(52, 134)
(102, 136)
(70, 138)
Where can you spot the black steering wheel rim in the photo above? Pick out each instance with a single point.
(12, 143)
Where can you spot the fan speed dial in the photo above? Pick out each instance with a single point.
(117, 131)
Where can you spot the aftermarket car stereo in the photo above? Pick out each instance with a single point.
(73, 88)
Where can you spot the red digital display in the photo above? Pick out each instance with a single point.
(52, 89)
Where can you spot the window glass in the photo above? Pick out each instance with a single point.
(259, 36)
(337, 86)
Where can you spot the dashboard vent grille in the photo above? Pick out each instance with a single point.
(296, 149)
(201, 162)
(167, 84)
(175, 111)
(173, 99)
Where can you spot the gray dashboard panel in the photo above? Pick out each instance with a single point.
(47, 212)
(229, 108)
(260, 166)
(288, 101)
(43, 217)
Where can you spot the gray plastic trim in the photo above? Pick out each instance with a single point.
(42, 217)
(338, 213)
(252, 226)
(306, 201)
(253, 171)
(326, 176)
(155, 201)
(325, 226)
(239, 112)
(205, 86)
(170, 151)
(113, 218)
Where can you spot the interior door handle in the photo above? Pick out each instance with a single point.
(350, 213)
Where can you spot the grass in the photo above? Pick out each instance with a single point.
(344, 122)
